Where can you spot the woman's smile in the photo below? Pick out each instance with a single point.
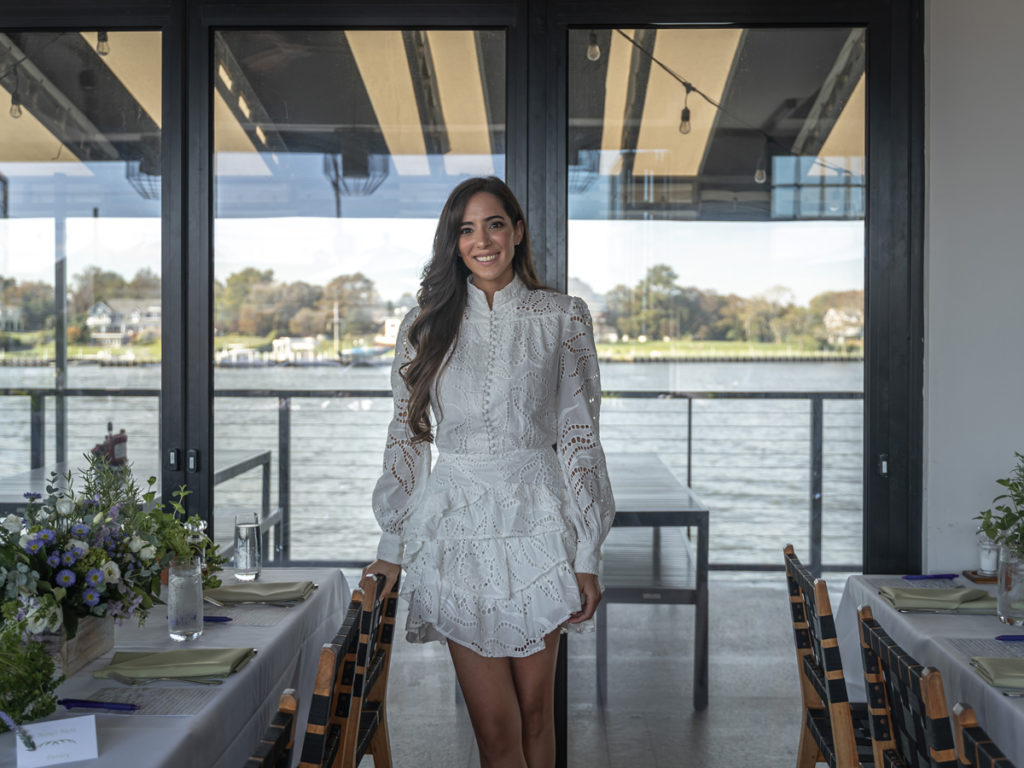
(487, 242)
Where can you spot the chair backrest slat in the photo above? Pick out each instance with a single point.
(973, 745)
(822, 683)
(908, 716)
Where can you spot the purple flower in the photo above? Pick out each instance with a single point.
(95, 577)
(90, 597)
(33, 545)
(66, 577)
(47, 534)
(70, 557)
(80, 529)
(32, 495)
(26, 739)
(115, 510)
(53, 559)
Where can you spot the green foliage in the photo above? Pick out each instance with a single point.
(1004, 521)
(28, 673)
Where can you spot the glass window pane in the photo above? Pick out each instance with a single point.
(80, 244)
(716, 206)
(334, 151)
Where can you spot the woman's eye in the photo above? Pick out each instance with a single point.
(497, 224)
(465, 231)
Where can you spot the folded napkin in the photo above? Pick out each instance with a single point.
(262, 592)
(187, 662)
(1000, 672)
(955, 600)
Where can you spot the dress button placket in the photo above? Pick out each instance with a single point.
(488, 380)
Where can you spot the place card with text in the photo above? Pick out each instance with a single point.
(59, 741)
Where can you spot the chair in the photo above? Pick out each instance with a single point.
(274, 749)
(973, 745)
(907, 705)
(833, 731)
(348, 714)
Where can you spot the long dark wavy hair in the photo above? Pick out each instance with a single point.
(442, 296)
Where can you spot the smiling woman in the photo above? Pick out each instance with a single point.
(488, 239)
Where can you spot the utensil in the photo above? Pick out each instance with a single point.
(1010, 638)
(923, 576)
(117, 706)
(219, 604)
(143, 680)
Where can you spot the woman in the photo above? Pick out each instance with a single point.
(502, 538)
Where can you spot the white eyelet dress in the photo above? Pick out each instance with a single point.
(518, 500)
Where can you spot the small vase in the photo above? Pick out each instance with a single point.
(95, 637)
(988, 556)
(1010, 587)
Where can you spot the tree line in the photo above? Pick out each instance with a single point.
(251, 302)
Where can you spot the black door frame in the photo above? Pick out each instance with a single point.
(536, 159)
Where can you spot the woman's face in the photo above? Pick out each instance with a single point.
(487, 241)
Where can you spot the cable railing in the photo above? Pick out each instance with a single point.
(774, 467)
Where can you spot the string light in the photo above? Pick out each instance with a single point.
(15, 105)
(593, 49)
(684, 117)
(102, 43)
(760, 174)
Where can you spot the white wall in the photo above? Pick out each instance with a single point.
(974, 266)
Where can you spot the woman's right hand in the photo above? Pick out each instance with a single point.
(390, 571)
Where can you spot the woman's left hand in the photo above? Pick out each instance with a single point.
(590, 596)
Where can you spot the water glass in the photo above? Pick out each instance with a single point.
(248, 549)
(988, 556)
(1010, 588)
(184, 599)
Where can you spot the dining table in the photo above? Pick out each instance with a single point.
(945, 641)
(209, 726)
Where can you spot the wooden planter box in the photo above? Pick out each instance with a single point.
(94, 638)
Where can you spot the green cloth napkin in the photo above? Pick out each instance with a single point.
(1001, 672)
(956, 600)
(262, 592)
(187, 662)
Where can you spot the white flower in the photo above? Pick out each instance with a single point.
(77, 544)
(12, 523)
(24, 540)
(135, 544)
(97, 518)
(44, 619)
(43, 515)
(148, 552)
(111, 572)
(64, 506)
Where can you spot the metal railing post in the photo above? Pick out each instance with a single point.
(816, 448)
(689, 442)
(37, 421)
(284, 470)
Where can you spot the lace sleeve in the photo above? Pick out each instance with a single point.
(406, 464)
(579, 443)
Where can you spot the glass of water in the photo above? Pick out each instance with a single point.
(248, 554)
(184, 599)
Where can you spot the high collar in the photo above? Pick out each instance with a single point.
(476, 299)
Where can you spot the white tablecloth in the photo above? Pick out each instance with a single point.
(926, 637)
(225, 732)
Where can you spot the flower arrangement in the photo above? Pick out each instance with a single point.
(95, 552)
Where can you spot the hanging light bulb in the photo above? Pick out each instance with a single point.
(102, 44)
(593, 49)
(760, 174)
(15, 105)
(684, 121)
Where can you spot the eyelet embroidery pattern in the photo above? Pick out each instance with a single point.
(495, 532)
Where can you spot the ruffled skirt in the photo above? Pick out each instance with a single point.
(489, 552)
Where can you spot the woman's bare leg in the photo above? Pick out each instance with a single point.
(490, 693)
(534, 678)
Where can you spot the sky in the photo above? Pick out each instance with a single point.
(746, 258)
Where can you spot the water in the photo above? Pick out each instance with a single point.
(749, 462)
(248, 560)
(184, 602)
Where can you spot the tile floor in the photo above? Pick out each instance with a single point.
(752, 719)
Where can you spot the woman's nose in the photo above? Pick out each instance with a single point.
(483, 238)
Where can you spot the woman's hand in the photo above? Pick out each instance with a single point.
(390, 571)
(590, 596)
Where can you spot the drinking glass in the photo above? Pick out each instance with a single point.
(184, 599)
(248, 554)
(1010, 588)
(988, 556)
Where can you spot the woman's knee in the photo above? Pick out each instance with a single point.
(537, 714)
(498, 737)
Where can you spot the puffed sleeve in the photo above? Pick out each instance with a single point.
(579, 442)
(406, 464)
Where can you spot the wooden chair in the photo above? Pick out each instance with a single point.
(973, 745)
(833, 731)
(907, 705)
(348, 714)
(274, 749)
